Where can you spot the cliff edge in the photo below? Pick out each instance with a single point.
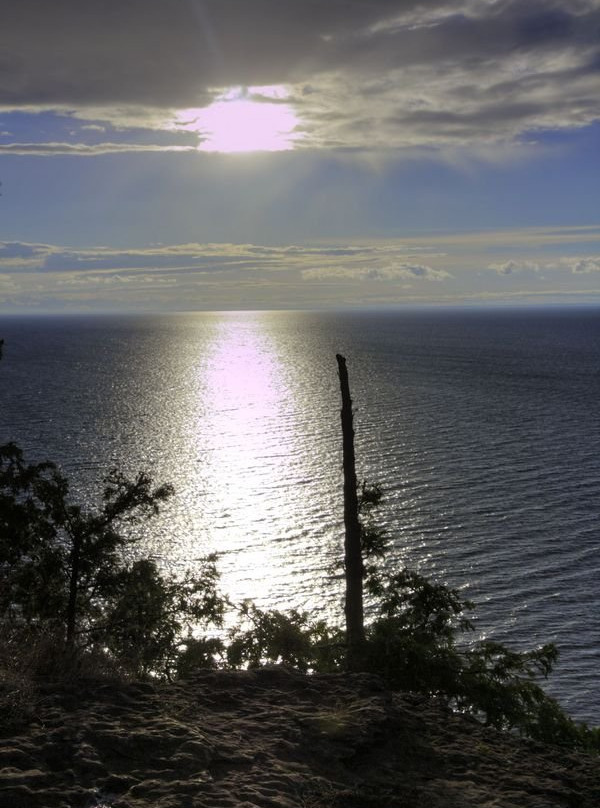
(273, 738)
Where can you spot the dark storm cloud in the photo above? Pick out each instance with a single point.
(168, 53)
(473, 38)
(157, 52)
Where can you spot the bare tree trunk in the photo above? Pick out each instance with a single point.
(353, 565)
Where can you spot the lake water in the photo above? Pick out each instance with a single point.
(481, 426)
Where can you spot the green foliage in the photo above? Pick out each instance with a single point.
(411, 640)
(23, 653)
(33, 557)
(374, 542)
(199, 652)
(413, 644)
(292, 639)
(65, 568)
(145, 622)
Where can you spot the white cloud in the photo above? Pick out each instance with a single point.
(85, 149)
(445, 269)
(576, 265)
(405, 272)
(380, 261)
(584, 265)
(515, 267)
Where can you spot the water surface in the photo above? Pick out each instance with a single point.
(481, 426)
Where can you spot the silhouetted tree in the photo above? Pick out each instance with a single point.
(353, 562)
(66, 568)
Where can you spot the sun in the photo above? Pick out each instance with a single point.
(244, 120)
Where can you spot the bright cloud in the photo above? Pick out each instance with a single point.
(406, 272)
(514, 267)
(225, 275)
(314, 261)
(585, 265)
(84, 149)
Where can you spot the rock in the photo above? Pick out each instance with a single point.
(277, 739)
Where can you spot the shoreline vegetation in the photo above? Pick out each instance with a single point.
(109, 670)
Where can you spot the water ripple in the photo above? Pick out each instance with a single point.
(481, 428)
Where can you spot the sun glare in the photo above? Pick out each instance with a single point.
(243, 120)
(246, 436)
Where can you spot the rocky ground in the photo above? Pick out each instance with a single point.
(273, 738)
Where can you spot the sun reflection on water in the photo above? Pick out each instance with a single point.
(245, 435)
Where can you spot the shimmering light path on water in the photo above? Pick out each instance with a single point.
(482, 428)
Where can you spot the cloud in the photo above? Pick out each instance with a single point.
(383, 261)
(361, 75)
(195, 258)
(515, 267)
(405, 272)
(17, 256)
(11, 250)
(584, 265)
(84, 149)
(445, 269)
(149, 51)
(114, 280)
(406, 262)
(575, 265)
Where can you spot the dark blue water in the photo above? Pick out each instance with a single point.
(481, 426)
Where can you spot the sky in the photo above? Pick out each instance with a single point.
(160, 155)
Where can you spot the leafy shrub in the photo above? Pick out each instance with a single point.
(412, 643)
(292, 639)
(63, 570)
(151, 613)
